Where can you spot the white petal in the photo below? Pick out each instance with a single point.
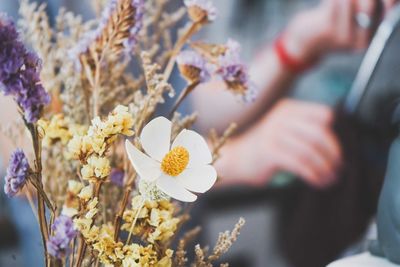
(171, 187)
(156, 138)
(147, 168)
(199, 153)
(198, 179)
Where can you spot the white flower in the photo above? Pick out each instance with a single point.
(175, 169)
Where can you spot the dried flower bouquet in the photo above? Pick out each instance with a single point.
(108, 177)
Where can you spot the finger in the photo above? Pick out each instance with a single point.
(313, 111)
(310, 155)
(287, 162)
(388, 4)
(364, 9)
(321, 136)
(345, 25)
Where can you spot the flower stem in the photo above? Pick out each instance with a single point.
(81, 251)
(118, 217)
(41, 209)
(182, 97)
(96, 89)
(39, 188)
(31, 203)
(134, 221)
(195, 27)
(82, 244)
(43, 224)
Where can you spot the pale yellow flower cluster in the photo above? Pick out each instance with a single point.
(86, 193)
(112, 253)
(90, 148)
(79, 198)
(156, 221)
(139, 256)
(84, 224)
(71, 205)
(58, 129)
(102, 133)
(96, 167)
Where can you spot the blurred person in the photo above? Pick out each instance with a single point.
(299, 135)
(288, 135)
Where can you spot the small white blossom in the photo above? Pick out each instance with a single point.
(178, 169)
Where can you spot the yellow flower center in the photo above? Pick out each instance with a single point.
(175, 161)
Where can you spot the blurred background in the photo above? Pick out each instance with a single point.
(301, 214)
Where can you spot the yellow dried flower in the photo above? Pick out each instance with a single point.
(79, 147)
(92, 235)
(156, 220)
(55, 130)
(96, 168)
(83, 225)
(74, 187)
(167, 260)
(86, 193)
(98, 144)
(122, 120)
(100, 129)
(92, 208)
(110, 252)
(76, 129)
(98, 138)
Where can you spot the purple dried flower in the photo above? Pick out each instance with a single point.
(20, 73)
(64, 233)
(117, 177)
(193, 66)
(17, 173)
(201, 10)
(234, 72)
(131, 42)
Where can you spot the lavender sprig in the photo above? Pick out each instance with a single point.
(20, 73)
(234, 72)
(64, 233)
(17, 173)
(131, 42)
(117, 177)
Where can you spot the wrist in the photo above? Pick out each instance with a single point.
(293, 54)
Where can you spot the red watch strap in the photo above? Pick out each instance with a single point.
(291, 63)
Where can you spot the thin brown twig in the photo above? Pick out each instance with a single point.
(128, 240)
(194, 27)
(118, 217)
(72, 258)
(81, 251)
(37, 184)
(31, 203)
(41, 209)
(182, 97)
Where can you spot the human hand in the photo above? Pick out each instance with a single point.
(295, 136)
(388, 4)
(331, 26)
